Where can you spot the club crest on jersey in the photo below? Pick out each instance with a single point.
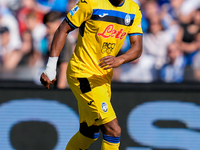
(109, 31)
(74, 10)
(127, 19)
(104, 107)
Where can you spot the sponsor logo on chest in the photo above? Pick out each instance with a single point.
(109, 31)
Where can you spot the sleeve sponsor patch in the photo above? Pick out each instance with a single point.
(74, 10)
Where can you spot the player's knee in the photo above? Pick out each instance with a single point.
(112, 135)
(116, 131)
(112, 128)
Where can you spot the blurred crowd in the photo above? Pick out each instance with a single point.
(171, 41)
(26, 32)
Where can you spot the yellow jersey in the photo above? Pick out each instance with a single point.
(103, 28)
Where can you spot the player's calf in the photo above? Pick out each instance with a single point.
(111, 135)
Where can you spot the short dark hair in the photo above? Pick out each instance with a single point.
(3, 30)
(51, 16)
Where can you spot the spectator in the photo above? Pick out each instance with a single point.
(173, 71)
(175, 9)
(163, 2)
(189, 6)
(52, 20)
(151, 9)
(27, 6)
(196, 60)
(141, 70)
(25, 56)
(141, 3)
(7, 19)
(31, 57)
(156, 41)
(38, 29)
(7, 54)
(4, 40)
(186, 36)
(169, 12)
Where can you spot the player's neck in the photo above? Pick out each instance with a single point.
(117, 2)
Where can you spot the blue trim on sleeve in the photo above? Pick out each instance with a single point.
(133, 34)
(71, 24)
(111, 139)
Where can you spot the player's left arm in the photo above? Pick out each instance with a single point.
(135, 36)
(133, 53)
(76, 16)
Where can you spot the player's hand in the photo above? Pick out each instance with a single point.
(45, 80)
(110, 61)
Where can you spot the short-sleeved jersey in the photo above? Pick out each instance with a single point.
(103, 28)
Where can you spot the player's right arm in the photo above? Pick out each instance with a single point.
(81, 12)
(49, 75)
(60, 38)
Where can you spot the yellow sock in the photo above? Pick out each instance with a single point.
(80, 142)
(110, 143)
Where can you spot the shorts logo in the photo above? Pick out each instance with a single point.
(104, 107)
(127, 19)
(74, 10)
(107, 47)
(90, 103)
(109, 31)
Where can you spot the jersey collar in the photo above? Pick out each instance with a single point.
(111, 1)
